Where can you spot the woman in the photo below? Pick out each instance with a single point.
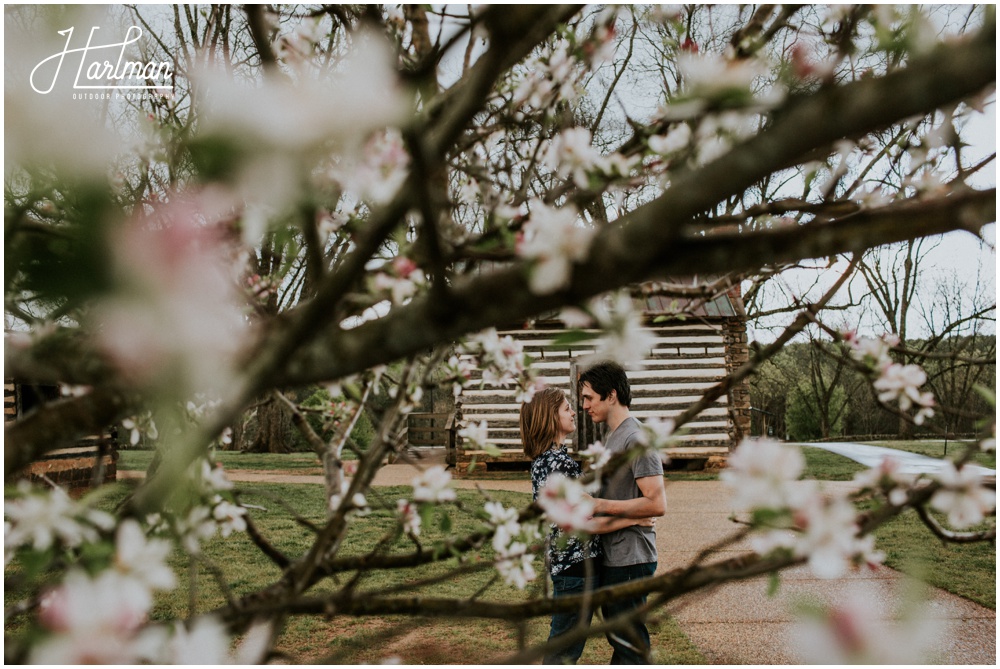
(546, 421)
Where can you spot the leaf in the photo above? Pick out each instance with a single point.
(773, 583)
(492, 450)
(445, 523)
(987, 393)
(426, 512)
(573, 336)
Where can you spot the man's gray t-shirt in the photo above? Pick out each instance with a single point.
(632, 545)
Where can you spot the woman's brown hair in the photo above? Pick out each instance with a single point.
(540, 421)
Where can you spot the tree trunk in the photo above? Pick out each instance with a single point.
(239, 441)
(274, 429)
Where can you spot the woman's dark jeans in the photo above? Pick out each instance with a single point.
(564, 622)
(632, 644)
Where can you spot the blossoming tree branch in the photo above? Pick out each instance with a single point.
(356, 198)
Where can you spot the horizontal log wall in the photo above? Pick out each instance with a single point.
(685, 361)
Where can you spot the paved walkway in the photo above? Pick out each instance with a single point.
(872, 456)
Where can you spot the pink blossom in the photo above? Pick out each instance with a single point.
(410, 516)
(94, 618)
(855, 630)
(177, 319)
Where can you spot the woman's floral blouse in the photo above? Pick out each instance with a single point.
(563, 551)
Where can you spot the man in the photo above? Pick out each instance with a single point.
(635, 490)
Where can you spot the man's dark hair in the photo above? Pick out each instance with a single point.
(607, 376)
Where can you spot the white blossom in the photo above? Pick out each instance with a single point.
(709, 75)
(140, 425)
(459, 369)
(231, 517)
(44, 519)
(499, 514)
(506, 526)
(516, 565)
(566, 503)
(214, 476)
(963, 496)
(476, 435)
(596, 454)
(759, 473)
(902, 383)
(678, 138)
(502, 360)
(196, 527)
(143, 559)
(829, 537)
(278, 113)
(873, 352)
(555, 238)
(378, 171)
(624, 338)
(433, 485)
(571, 154)
(658, 432)
(886, 478)
(202, 641)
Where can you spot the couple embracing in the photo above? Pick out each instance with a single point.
(622, 545)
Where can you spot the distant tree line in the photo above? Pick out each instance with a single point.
(811, 391)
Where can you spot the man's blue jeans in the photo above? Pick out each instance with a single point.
(564, 622)
(631, 645)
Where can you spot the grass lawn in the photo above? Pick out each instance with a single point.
(941, 449)
(299, 463)
(349, 640)
(968, 570)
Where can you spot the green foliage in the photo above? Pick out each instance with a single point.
(803, 415)
(321, 400)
